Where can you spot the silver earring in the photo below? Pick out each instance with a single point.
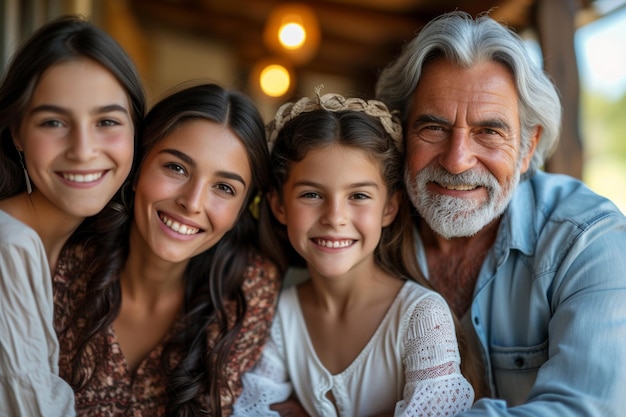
(29, 188)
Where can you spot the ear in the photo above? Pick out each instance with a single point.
(277, 206)
(16, 138)
(534, 140)
(391, 209)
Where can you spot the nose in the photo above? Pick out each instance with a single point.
(458, 155)
(335, 213)
(83, 145)
(192, 197)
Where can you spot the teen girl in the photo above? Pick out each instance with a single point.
(361, 337)
(71, 103)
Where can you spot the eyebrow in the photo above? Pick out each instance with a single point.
(188, 160)
(492, 123)
(429, 118)
(495, 123)
(362, 184)
(98, 110)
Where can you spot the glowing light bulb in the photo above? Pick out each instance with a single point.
(274, 80)
(292, 31)
(292, 35)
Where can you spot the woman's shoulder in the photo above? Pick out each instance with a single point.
(22, 253)
(417, 301)
(260, 271)
(413, 291)
(257, 260)
(262, 280)
(15, 233)
(70, 276)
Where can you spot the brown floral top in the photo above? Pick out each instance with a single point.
(114, 391)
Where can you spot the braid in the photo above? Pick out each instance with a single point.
(335, 103)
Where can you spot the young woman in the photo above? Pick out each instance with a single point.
(162, 313)
(363, 336)
(71, 103)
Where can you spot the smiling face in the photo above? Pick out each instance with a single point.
(191, 188)
(335, 205)
(463, 145)
(77, 138)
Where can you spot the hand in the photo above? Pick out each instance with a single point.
(289, 408)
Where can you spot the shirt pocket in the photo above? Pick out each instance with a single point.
(515, 369)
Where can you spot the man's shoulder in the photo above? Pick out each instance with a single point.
(561, 197)
(549, 212)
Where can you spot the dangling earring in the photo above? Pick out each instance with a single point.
(29, 188)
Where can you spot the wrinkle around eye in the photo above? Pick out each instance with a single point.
(435, 134)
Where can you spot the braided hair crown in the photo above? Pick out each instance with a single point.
(335, 103)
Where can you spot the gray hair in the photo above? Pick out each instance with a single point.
(458, 37)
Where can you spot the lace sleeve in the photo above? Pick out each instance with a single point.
(266, 384)
(434, 384)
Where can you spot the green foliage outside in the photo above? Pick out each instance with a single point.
(603, 126)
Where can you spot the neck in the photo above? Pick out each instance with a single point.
(454, 264)
(358, 287)
(147, 277)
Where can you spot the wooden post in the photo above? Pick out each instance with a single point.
(555, 23)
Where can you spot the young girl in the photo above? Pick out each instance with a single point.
(164, 311)
(71, 103)
(361, 337)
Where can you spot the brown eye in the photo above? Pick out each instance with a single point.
(360, 196)
(51, 123)
(178, 168)
(226, 189)
(108, 123)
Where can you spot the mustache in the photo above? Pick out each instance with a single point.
(474, 177)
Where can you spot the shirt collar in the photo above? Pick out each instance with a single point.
(517, 229)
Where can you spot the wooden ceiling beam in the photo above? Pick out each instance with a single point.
(340, 53)
(234, 17)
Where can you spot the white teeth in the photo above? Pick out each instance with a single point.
(83, 178)
(463, 187)
(178, 227)
(333, 244)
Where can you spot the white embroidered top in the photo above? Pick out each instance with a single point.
(410, 365)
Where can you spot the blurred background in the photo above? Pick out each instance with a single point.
(279, 50)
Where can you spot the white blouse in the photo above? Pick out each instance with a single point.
(410, 365)
(30, 384)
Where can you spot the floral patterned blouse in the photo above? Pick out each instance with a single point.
(115, 391)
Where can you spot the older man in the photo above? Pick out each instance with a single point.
(532, 262)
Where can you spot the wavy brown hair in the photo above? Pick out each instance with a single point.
(211, 278)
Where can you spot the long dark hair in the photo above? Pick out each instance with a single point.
(61, 40)
(211, 278)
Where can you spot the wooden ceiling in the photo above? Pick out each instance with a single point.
(358, 37)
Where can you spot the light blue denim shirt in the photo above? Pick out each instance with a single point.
(549, 307)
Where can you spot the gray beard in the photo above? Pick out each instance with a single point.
(452, 217)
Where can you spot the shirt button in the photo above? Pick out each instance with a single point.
(519, 361)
